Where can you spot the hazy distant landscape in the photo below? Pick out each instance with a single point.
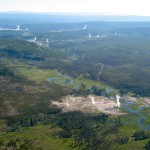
(61, 74)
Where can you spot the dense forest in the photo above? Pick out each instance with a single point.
(103, 59)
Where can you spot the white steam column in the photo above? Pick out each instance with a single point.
(18, 27)
(97, 35)
(92, 98)
(34, 39)
(85, 26)
(67, 103)
(118, 102)
(90, 35)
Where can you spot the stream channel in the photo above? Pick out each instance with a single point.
(138, 113)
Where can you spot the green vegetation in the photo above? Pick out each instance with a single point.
(147, 146)
(32, 75)
(37, 137)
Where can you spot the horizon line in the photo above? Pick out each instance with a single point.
(77, 13)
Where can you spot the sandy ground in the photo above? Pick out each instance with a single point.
(88, 104)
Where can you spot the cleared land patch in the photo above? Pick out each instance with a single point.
(88, 104)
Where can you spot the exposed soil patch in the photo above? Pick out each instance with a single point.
(88, 104)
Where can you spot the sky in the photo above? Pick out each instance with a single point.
(104, 7)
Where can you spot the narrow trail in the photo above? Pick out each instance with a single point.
(100, 71)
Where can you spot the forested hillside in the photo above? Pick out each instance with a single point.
(71, 65)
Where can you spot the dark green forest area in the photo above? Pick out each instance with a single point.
(115, 59)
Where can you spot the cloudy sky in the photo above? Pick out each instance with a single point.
(114, 7)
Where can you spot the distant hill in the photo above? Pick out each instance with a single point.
(20, 17)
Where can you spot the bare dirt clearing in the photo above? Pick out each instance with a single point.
(88, 104)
